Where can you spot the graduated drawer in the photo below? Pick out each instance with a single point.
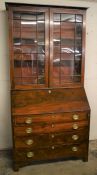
(47, 128)
(49, 118)
(46, 140)
(53, 152)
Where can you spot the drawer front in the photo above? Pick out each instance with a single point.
(46, 140)
(52, 152)
(44, 128)
(49, 118)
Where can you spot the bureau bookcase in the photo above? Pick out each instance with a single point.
(49, 108)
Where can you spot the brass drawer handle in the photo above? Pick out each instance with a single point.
(74, 149)
(49, 91)
(30, 154)
(29, 142)
(52, 135)
(28, 121)
(75, 137)
(29, 130)
(75, 117)
(53, 147)
(75, 126)
(53, 125)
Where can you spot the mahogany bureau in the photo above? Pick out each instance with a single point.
(49, 107)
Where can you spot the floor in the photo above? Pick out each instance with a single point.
(58, 168)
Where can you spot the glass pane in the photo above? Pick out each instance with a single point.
(40, 39)
(77, 67)
(40, 26)
(67, 37)
(40, 33)
(56, 34)
(41, 80)
(28, 32)
(67, 17)
(41, 64)
(67, 67)
(41, 49)
(78, 46)
(67, 30)
(57, 17)
(40, 16)
(78, 29)
(56, 50)
(29, 40)
(29, 48)
(27, 16)
(79, 18)
(17, 48)
(67, 56)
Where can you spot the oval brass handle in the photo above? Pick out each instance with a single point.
(29, 142)
(53, 125)
(75, 126)
(29, 130)
(49, 91)
(30, 154)
(53, 147)
(28, 121)
(75, 117)
(74, 148)
(75, 137)
(52, 135)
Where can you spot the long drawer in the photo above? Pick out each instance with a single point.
(49, 118)
(47, 128)
(46, 140)
(52, 152)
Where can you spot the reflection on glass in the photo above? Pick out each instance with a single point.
(29, 48)
(40, 16)
(78, 29)
(78, 45)
(41, 49)
(26, 16)
(56, 50)
(40, 26)
(67, 18)
(67, 30)
(79, 18)
(67, 56)
(56, 17)
(67, 67)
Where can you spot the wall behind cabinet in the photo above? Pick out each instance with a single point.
(90, 65)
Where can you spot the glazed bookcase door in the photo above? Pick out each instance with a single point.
(30, 48)
(66, 53)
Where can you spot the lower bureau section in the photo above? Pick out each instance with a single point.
(51, 153)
